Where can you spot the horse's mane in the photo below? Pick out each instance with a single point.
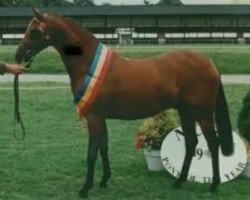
(74, 29)
(77, 36)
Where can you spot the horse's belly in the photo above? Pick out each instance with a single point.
(131, 114)
(133, 108)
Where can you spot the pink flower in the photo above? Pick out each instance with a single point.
(139, 141)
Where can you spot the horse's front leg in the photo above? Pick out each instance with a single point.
(97, 132)
(104, 155)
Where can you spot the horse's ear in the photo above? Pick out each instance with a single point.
(39, 14)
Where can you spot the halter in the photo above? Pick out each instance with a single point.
(41, 27)
(92, 82)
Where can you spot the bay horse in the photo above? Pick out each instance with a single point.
(107, 85)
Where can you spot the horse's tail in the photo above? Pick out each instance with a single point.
(223, 123)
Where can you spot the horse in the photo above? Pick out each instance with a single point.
(106, 85)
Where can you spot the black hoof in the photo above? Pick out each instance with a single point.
(103, 184)
(83, 194)
(214, 187)
(177, 185)
(213, 190)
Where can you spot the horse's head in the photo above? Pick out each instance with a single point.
(36, 37)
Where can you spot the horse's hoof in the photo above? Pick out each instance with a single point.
(177, 185)
(213, 190)
(103, 184)
(214, 187)
(83, 194)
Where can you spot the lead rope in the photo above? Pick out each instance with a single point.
(17, 114)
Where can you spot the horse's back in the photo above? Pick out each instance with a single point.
(179, 64)
(181, 73)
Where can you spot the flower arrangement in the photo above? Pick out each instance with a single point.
(152, 131)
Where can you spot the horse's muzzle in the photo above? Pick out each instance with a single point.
(19, 57)
(22, 54)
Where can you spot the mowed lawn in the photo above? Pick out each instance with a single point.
(50, 163)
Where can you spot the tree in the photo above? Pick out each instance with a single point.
(46, 2)
(83, 2)
(53, 3)
(7, 2)
(170, 2)
(4, 3)
(146, 2)
(22, 3)
(106, 4)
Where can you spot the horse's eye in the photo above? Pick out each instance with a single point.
(34, 34)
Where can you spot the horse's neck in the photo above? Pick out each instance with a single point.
(77, 66)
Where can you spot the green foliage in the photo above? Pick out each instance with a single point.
(170, 2)
(52, 3)
(244, 118)
(5, 3)
(164, 2)
(146, 2)
(153, 130)
(83, 2)
(45, 2)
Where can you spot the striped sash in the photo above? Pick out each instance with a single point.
(92, 82)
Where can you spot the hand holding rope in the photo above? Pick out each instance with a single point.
(17, 115)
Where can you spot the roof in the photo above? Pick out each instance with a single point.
(134, 10)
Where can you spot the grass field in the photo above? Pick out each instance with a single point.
(230, 59)
(50, 163)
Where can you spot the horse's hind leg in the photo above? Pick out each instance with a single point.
(188, 125)
(208, 129)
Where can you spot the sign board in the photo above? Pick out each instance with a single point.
(173, 153)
